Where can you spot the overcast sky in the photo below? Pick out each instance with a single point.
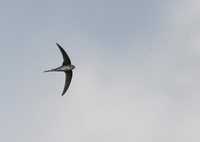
(137, 76)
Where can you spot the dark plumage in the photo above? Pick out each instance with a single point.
(66, 67)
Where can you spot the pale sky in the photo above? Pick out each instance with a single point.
(137, 76)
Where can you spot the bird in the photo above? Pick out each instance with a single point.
(66, 67)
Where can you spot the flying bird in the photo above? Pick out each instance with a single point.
(66, 67)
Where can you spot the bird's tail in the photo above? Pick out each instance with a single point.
(52, 70)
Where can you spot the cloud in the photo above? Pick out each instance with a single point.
(142, 85)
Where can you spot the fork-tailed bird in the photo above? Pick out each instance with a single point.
(66, 67)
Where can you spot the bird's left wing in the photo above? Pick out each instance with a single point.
(68, 78)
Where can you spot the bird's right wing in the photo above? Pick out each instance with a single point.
(65, 56)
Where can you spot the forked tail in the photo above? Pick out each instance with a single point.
(52, 70)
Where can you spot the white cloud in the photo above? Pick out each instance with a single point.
(146, 93)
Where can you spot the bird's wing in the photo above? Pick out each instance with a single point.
(65, 56)
(68, 78)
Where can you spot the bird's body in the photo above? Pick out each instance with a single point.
(66, 67)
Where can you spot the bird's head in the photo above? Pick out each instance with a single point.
(72, 67)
